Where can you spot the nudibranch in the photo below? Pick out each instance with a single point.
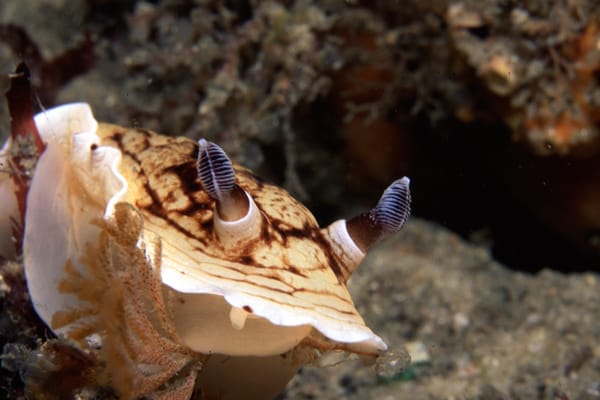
(243, 273)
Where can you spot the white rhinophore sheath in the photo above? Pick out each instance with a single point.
(351, 255)
(232, 233)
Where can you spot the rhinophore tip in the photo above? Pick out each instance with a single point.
(387, 217)
(393, 208)
(351, 239)
(215, 170)
(218, 180)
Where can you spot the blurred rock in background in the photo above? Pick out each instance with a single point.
(491, 106)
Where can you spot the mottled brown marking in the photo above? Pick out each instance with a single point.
(337, 267)
(246, 259)
(183, 171)
(194, 208)
(187, 174)
(163, 168)
(144, 132)
(296, 271)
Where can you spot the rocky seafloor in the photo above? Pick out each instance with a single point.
(475, 329)
(333, 100)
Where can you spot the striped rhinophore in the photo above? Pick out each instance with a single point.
(214, 169)
(393, 208)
